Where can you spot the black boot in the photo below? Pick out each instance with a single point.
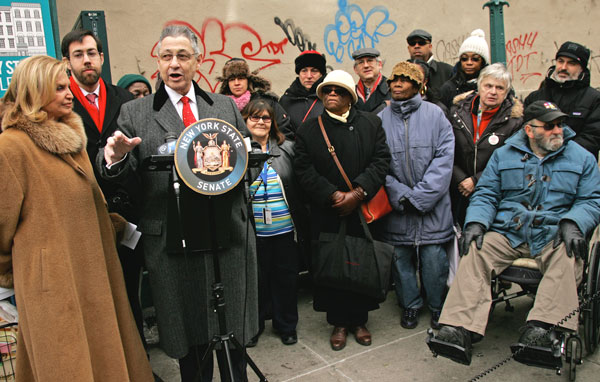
(452, 342)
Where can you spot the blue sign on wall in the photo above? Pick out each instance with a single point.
(25, 30)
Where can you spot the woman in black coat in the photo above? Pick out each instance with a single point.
(360, 145)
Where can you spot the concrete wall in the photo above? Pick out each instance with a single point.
(270, 33)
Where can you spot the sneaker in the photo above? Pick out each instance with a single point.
(410, 318)
(435, 319)
(536, 336)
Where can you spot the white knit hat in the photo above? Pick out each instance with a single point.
(338, 78)
(476, 43)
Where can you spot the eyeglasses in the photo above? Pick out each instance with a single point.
(365, 61)
(256, 118)
(181, 57)
(472, 58)
(78, 55)
(550, 125)
(335, 89)
(418, 42)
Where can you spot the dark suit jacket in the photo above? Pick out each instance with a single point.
(120, 198)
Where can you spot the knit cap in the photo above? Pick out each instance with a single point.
(476, 43)
(311, 58)
(129, 79)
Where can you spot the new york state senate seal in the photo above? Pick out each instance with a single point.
(211, 157)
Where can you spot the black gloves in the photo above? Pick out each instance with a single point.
(409, 208)
(473, 231)
(576, 244)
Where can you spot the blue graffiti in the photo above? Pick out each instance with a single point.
(354, 30)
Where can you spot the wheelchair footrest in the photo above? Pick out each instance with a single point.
(446, 349)
(546, 357)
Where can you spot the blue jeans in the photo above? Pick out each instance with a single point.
(434, 273)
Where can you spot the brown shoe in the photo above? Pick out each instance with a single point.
(362, 335)
(338, 338)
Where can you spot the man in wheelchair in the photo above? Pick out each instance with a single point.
(539, 197)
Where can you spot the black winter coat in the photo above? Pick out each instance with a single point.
(439, 73)
(297, 101)
(456, 85)
(471, 158)
(376, 101)
(580, 101)
(365, 157)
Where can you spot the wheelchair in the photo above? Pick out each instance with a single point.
(565, 344)
(525, 273)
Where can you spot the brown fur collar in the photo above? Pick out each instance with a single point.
(516, 111)
(66, 136)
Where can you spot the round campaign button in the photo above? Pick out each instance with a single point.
(211, 156)
(493, 140)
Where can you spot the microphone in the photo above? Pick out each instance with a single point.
(168, 148)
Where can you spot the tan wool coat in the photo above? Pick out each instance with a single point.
(58, 244)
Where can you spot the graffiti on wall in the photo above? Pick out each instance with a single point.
(219, 42)
(447, 50)
(353, 29)
(295, 35)
(519, 51)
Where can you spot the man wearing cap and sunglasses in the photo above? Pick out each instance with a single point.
(419, 47)
(539, 197)
(568, 85)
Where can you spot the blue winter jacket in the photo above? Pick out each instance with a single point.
(422, 146)
(524, 198)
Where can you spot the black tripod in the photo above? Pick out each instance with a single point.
(224, 337)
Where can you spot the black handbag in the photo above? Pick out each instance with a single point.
(357, 264)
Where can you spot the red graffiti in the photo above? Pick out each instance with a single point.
(519, 50)
(219, 42)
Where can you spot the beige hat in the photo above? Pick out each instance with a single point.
(339, 78)
(408, 70)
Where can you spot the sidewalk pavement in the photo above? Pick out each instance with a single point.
(397, 354)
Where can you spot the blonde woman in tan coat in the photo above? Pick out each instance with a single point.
(57, 241)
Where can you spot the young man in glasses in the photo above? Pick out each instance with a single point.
(419, 47)
(372, 89)
(568, 85)
(539, 197)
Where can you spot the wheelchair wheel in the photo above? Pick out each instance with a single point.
(591, 314)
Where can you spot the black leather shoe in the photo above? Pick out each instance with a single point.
(537, 336)
(435, 319)
(410, 318)
(289, 339)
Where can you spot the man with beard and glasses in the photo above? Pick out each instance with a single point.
(98, 104)
(538, 197)
(568, 85)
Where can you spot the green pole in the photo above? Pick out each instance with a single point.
(497, 48)
(54, 17)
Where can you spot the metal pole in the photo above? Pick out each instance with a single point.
(497, 47)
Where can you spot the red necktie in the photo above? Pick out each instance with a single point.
(92, 98)
(188, 116)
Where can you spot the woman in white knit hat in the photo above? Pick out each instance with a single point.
(474, 55)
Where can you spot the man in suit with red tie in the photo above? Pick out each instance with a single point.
(181, 284)
(98, 104)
